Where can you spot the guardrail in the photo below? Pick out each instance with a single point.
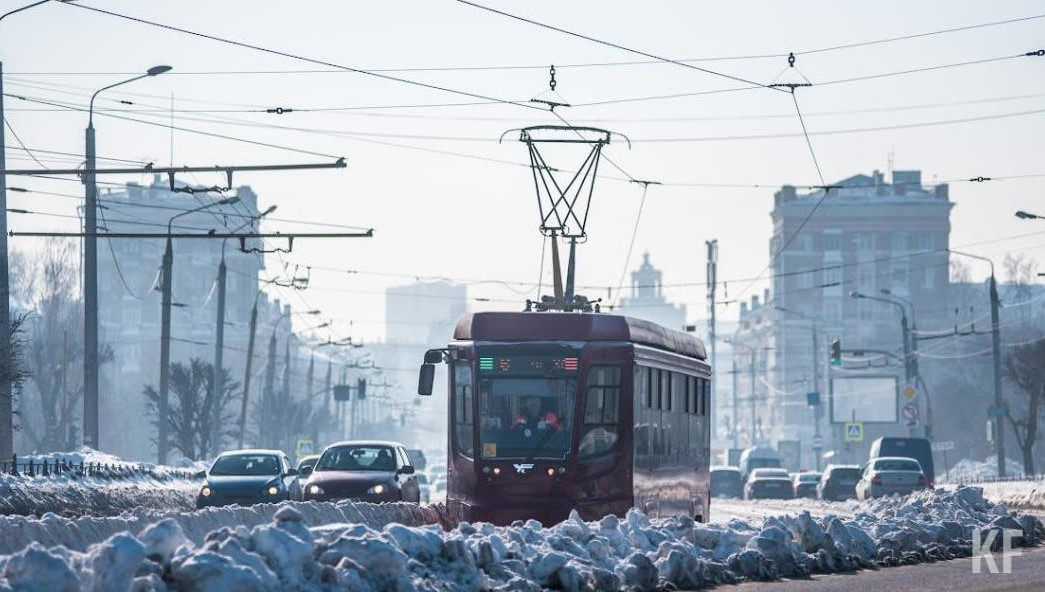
(63, 468)
(980, 480)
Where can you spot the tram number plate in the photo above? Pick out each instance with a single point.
(489, 449)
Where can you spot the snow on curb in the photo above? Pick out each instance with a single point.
(273, 548)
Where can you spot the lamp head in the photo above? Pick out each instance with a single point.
(1025, 215)
(270, 209)
(228, 201)
(157, 70)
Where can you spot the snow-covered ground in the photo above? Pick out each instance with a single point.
(1028, 495)
(359, 547)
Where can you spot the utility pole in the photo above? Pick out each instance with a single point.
(751, 370)
(219, 350)
(165, 355)
(999, 429)
(817, 409)
(268, 396)
(246, 377)
(284, 403)
(712, 281)
(326, 392)
(736, 409)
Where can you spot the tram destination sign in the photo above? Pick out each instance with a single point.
(532, 365)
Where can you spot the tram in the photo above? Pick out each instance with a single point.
(550, 412)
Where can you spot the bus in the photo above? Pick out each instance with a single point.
(551, 412)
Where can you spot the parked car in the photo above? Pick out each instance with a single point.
(371, 471)
(838, 482)
(917, 448)
(248, 477)
(888, 475)
(768, 483)
(805, 484)
(758, 457)
(726, 482)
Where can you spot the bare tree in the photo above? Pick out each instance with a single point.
(1024, 367)
(190, 415)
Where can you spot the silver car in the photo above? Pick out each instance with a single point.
(888, 475)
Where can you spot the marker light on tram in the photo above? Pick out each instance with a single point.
(497, 470)
(551, 472)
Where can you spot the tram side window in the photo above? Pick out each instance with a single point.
(680, 422)
(464, 422)
(642, 404)
(601, 411)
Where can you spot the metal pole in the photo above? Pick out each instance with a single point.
(6, 405)
(246, 377)
(712, 279)
(906, 356)
(90, 303)
(284, 403)
(556, 273)
(326, 390)
(736, 408)
(816, 387)
(268, 395)
(751, 370)
(165, 353)
(314, 434)
(999, 428)
(219, 349)
(571, 268)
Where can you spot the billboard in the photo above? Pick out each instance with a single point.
(867, 399)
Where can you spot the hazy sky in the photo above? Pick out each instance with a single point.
(449, 215)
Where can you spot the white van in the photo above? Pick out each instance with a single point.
(759, 457)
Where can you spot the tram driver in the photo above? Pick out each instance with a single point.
(535, 417)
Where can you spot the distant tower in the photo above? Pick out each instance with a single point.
(646, 281)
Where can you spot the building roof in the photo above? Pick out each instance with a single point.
(546, 326)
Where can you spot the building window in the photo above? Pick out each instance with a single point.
(898, 242)
(929, 279)
(832, 241)
(899, 276)
(832, 275)
(864, 242)
(927, 242)
(832, 310)
(866, 278)
(865, 312)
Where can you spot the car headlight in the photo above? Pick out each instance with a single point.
(272, 490)
(376, 490)
(315, 490)
(206, 491)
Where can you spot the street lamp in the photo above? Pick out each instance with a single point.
(6, 408)
(1027, 215)
(165, 327)
(90, 275)
(999, 428)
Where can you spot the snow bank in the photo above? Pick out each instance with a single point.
(118, 487)
(1017, 494)
(972, 471)
(273, 548)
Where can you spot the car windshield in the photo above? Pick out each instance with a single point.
(308, 463)
(897, 464)
(245, 465)
(845, 473)
(526, 405)
(357, 458)
(808, 477)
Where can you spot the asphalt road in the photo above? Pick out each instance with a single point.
(1028, 574)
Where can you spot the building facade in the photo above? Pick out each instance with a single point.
(646, 300)
(835, 260)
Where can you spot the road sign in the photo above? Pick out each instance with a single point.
(813, 399)
(304, 447)
(910, 392)
(854, 431)
(910, 412)
(818, 442)
(943, 446)
(995, 411)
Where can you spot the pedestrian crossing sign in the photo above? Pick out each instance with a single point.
(854, 431)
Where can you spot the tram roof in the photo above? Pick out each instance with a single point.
(570, 326)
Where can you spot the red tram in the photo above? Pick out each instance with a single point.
(550, 412)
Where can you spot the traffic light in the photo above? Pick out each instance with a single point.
(361, 389)
(836, 352)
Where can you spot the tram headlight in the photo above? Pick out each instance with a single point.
(376, 490)
(551, 472)
(497, 470)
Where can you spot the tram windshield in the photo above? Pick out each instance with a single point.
(526, 406)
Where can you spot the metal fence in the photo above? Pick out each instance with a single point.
(1006, 479)
(62, 468)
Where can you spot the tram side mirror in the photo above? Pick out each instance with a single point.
(426, 378)
(434, 356)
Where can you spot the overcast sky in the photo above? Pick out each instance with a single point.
(441, 214)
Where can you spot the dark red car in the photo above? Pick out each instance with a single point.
(369, 471)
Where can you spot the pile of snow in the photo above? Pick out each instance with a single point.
(119, 487)
(1017, 494)
(971, 471)
(634, 553)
